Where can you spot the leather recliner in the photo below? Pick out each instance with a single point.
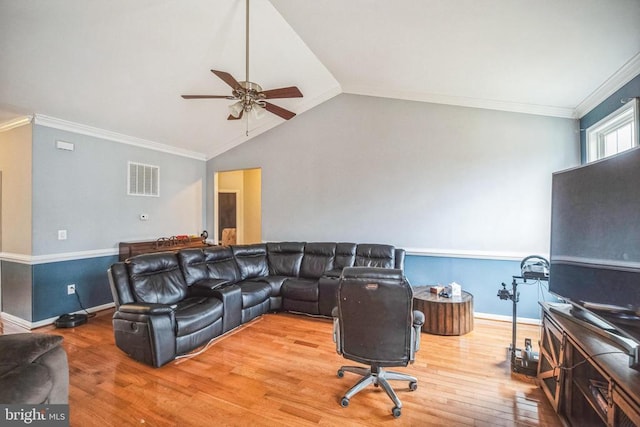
(156, 317)
(235, 283)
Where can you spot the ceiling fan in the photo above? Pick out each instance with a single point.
(249, 96)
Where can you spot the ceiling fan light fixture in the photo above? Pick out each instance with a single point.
(257, 111)
(236, 109)
(249, 96)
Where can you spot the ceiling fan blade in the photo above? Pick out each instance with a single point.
(235, 118)
(206, 96)
(283, 92)
(279, 111)
(227, 78)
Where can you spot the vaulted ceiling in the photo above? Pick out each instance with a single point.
(121, 66)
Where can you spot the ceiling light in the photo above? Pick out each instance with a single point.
(236, 109)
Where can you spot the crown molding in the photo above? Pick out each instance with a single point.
(488, 104)
(620, 78)
(15, 123)
(52, 122)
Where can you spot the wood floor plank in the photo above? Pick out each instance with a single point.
(281, 370)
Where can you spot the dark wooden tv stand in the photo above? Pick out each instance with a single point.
(586, 377)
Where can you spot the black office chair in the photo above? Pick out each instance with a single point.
(374, 324)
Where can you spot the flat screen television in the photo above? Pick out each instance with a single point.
(595, 240)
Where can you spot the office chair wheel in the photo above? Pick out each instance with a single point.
(340, 373)
(413, 386)
(396, 412)
(344, 402)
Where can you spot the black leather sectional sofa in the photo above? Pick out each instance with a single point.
(170, 303)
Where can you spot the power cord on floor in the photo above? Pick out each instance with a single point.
(89, 315)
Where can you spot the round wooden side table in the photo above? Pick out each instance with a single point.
(444, 316)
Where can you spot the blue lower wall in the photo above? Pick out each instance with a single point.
(50, 282)
(480, 277)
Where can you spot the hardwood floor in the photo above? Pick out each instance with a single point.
(281, 370)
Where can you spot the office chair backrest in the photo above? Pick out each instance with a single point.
(375, 312)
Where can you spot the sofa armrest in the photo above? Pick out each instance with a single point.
(146, 308)
(206, 287)
(17, 349)
(231, 297)
(333, 274)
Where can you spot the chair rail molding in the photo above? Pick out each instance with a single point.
(472, 254)
(66, 256)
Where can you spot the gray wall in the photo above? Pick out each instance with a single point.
(412, 174)
(85, 192)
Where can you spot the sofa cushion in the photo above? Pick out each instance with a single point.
(26, 384)
(285, 258)
(27, 362)
(214, 262)
(345, 255)
(318, 258)
(254, 293)
(251, 260)
(18, 349)
(196, 313)
(300, 289)
(156, 278)
(372, 255)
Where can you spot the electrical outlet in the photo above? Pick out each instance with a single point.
(71, 289)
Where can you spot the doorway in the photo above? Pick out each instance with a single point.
(0, 240)
(228, 217)
(238, 210)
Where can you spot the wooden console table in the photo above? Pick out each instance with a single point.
(444, 316)
(129, 249)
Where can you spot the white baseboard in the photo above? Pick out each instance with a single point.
(18, 321)
(33, 325)
(503, 318)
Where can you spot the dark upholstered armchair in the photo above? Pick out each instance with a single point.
(374, 324)
(157, 316)
(33, 369)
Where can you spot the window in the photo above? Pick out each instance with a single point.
(143, 180)
(615, 133)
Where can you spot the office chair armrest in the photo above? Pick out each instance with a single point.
(336, 330)
(418, 318)
(418, 321)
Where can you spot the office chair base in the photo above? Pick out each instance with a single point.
(377, 377)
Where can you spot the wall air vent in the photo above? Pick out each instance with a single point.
(143, 180)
